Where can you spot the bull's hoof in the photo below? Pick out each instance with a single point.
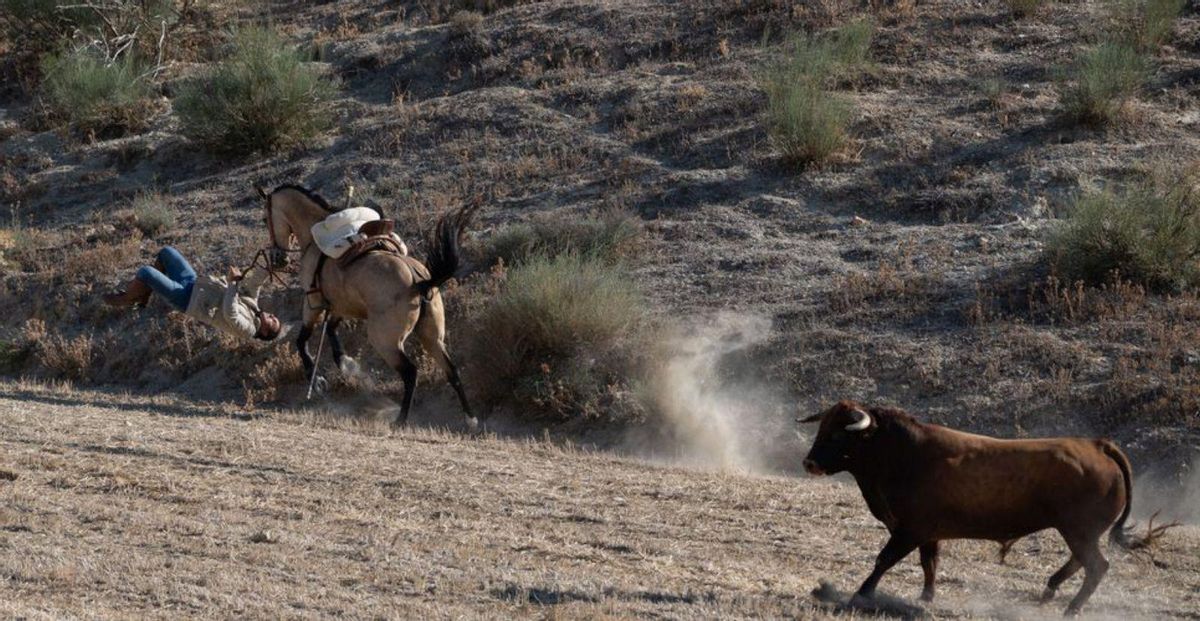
(1046, 597)
(927, 596)
(473, 426)
(1071, 611)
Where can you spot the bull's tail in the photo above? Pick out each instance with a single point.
(1120, 534)
(444, 252)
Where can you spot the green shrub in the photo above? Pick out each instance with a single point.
(263, 97)
(34, 28)
(1105, 79)
(851, 46)
(1148, 233)
(606, 237)
(93, 96)
(43, 24)
(558, 338)
(152, 215)
(838, 54)
(1145, 24)
(1024, 8)
(805, 122)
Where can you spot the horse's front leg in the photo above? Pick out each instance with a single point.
(302, 346)
(347, 365)
(306, 358)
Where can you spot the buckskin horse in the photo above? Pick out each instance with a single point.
(396, 294)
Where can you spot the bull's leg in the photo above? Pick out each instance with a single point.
(1094, 564)
(897, 547)
(1062, 575)
(929, 563)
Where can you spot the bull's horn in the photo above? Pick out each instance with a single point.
(862, 420)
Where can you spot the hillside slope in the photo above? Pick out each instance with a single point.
(940, 302)
(112, 506)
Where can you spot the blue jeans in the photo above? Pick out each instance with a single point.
(176, 283)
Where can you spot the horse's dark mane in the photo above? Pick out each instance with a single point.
(313, 196)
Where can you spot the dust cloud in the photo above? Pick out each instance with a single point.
(713, 409)
(1175, 496)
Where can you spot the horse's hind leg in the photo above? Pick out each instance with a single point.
(408, 374)
(387, 342)
(431, 332)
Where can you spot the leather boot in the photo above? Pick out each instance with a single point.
(136, 293)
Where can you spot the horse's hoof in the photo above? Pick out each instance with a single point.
(321, 386)
(473, 425)
(349, 366)
(927, 596)
(861, 601)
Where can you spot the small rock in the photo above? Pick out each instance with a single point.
(6, 475)
(859, 221)
(264, 536)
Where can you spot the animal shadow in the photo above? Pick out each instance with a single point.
(881, 605)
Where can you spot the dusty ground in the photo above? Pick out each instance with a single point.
(118, 506)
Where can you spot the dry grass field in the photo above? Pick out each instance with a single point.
(114, 506)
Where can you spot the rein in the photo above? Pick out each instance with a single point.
(261, 260)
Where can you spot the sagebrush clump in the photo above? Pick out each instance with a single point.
(96, 96)
(1147, 233)
(1144, 24)
(261, 98)
(560, 337)
(152, 215)
(807, 122)
(606, 237)
(1104, 81)
(114, 30)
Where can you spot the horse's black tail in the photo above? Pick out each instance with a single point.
(444, 251)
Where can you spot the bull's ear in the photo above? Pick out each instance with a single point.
(811, 419)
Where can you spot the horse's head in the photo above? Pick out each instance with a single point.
(279, 230)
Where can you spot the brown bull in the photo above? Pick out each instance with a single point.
(927, 483)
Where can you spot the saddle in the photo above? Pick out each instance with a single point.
(375, 243)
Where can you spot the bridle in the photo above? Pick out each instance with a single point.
(267, 258)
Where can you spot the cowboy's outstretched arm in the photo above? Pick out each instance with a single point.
(238, 311)
(252, 282)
